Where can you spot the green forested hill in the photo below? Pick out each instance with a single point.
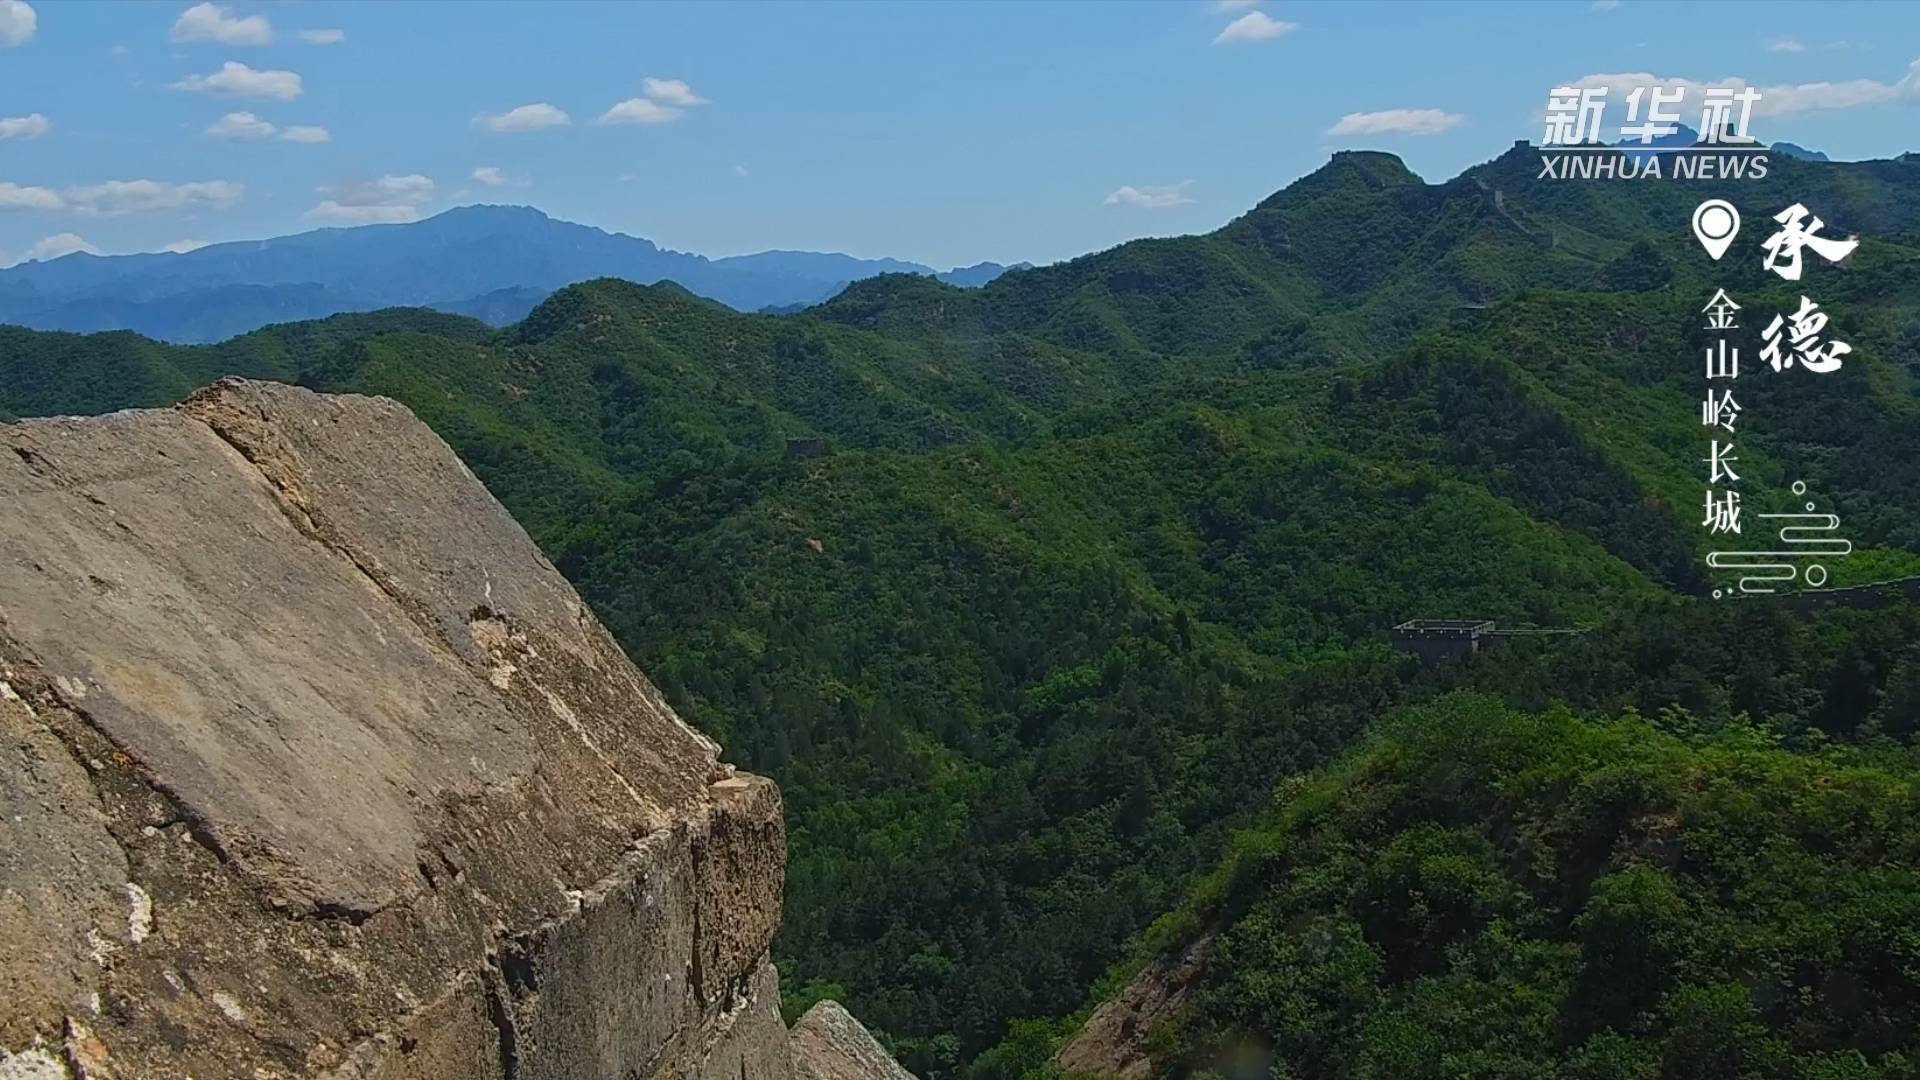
(1106, 551)
(1489, 893)
(1686, 845)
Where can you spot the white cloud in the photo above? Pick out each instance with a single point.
(53, 247)
(118, 50)
(181, 247)
(211, 22)
(323, 37)
(1254, 26)
(246, 127)
(241, 127)
(663, 102)
(17, 22)
(494, 176)
(15, 197)
(1397, 122)
(411, 188)
(641, 111)
(1152, 197)
(114, 197)
(139, 196)
(1813, 97)
(235, 79)
(388, 200)
(740, 170)
(536, 117)
(1785, 44)
(1605, 5)
(30, 126)
(337, 213)
(670, 92)
(1781, 100)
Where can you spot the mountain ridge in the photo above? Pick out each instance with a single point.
(1102, 554)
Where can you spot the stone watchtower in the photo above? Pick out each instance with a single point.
(1434, 640)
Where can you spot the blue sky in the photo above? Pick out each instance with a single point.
(946, 133)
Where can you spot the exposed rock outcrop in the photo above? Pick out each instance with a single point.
(1116, 1041)
(829, 1044)
(312, 766)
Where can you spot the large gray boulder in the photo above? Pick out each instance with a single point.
(312, 766)
(829, 1044)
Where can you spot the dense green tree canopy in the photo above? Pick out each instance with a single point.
(1105, 552)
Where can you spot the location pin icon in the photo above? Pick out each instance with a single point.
(1714, 223)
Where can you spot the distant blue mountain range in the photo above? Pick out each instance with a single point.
(491, 262)
(1795, 150)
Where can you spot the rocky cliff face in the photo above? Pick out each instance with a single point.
(1116, 1041)
(312, 766)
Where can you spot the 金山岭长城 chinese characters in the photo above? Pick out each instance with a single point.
(1793, 339)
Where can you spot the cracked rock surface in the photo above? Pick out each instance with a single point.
(829, 1044)
(312, 766)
